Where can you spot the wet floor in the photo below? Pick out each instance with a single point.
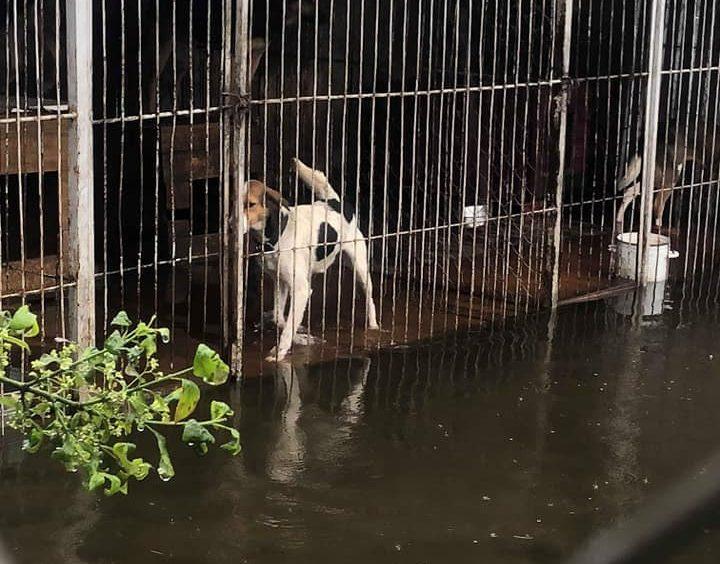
(497, 446)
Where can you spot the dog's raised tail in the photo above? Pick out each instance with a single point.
(632, 174)
(316, 180)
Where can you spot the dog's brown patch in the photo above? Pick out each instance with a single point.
(259, 201)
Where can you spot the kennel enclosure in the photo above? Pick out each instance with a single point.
(479, 143)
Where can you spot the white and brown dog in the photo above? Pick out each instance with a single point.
(301, 241)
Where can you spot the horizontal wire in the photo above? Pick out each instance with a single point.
(153, 116)
(36, 118)
(441, 91)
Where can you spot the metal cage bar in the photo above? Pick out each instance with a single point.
(477, 144)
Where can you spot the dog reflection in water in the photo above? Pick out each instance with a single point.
(322, 436)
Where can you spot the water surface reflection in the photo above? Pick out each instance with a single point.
(510, 445)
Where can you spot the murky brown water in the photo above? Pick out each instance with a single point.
(491, 447)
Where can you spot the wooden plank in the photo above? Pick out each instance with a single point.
(615, 290)
(80, 220)
(29, 158)
(233, 219)
(36, 160)
(200, 163)
(35, 276)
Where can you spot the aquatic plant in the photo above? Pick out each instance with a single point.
(85, 404)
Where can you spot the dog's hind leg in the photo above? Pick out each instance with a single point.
(299, 299)
(357, 253)
(665, 179)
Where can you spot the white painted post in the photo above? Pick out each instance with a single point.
(652, 110)
(240, 81)
(560, 181)
(80, 242)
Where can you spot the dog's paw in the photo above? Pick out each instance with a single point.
(276, 355)
(374, 327)
(305, 339)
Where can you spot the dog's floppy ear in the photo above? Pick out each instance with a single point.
(258, 46)
(275, 197)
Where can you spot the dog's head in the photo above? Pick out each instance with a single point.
(262, 204)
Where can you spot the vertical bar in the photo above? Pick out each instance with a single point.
(206, 150)
(171, 185)
(40, 154)
(557, 230)
(652, 108)
(141, 141)
(62, 238)
(81, 231)
(19, 130)
(240, 68)
(226, 186)
(121, 164)
(415, 176)
(105, 144)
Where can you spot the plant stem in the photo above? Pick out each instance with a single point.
(165, 378)
(183, 423)
(70, 367)
(26, 387)
(167, 423)
(138, 388)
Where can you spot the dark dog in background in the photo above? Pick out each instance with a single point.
(688, 144)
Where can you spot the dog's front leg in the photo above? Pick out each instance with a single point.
(281, 296)
(298, 304)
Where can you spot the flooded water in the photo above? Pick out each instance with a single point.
(496, 446)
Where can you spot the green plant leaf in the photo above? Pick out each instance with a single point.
(208, 366)
(195, 435)
(79, 418)
(233, 445)
(9, 402)
(67, 454)
(188, 400)
(41, 408)
(149, 345)
(115, 486)
(96, 480)
(46, 360)
(91, 357)
(33, 441)
(137, 467)
(121, 320)
(165, 468)
(25, 322)
(114, 342)
(164, 334)
(219, 410)
(143, 329)
(159, 405)
(15, 341)
(138, 404)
